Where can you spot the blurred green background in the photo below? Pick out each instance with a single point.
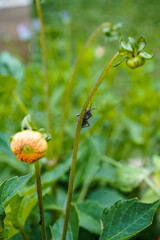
(125, 125)
(127, 103)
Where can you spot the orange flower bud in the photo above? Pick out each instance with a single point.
(28, 146)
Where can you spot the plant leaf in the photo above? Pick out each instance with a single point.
(45, 134)
(142, 43)
(10, 187)
(11, 66)
(49, 177)
(27, 123)
(120, 61)
(73, 226)
(125, 219)
(89, 215)
(105, 196)
(125, 49)
(127, 177)
(134, 45)
(8, 190)
(146, 55)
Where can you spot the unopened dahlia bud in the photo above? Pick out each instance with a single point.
(28, 146)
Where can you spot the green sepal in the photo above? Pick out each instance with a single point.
(125, 49)
(45, 134)
(146, 55)
(10, 139)
(141, 43)
(27, 123)
(134, 45)
(117, 26)
(107, 29)
(112, 31)
(120, 61)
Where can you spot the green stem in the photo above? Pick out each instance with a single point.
(76, 143)
(152, 186)
(84, 190)
(111, 161)
(20, 103)
(44, 59)
(23, 233)
(70, 84)
(40, 202)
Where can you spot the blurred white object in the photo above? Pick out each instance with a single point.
(99, 51)
(24, 32)
(14, 3)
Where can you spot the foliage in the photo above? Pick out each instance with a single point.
(118, 157)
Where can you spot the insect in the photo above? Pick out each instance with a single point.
(87, 115)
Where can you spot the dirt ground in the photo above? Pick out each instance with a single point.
(10, 18)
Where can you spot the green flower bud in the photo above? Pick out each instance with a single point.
(135, 62)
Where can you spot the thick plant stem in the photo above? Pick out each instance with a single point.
(20, 103)
(44, 59)
(40, 202)
(76, 143)
(70, 84)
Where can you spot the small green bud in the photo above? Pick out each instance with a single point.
(135, 62)
(132, 52)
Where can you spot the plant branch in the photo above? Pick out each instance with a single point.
(44, 59)
(70, 84)
(76, 143)
(40, 202)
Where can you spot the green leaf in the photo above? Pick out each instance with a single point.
(27, 205)
(120, 60)
(107, 29)
(105, 196)
(105, 173)
(4, 144)
(142, 43)
(27, 123)
(9, 65)
(125, 49)
(19, 209)
(134, 45)
(117, 26)
(125, 219)
(73, 226)
(127, 177)
(11, 212)
(89, 215)
(49, 177)
(9, 188)
(7, 84)
(146, 55)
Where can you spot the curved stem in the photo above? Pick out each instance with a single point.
(40, 202)
(44, 59)
(70, 84)
(20, 103)
(76, 143)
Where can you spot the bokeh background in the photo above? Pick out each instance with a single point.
(126, 124)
